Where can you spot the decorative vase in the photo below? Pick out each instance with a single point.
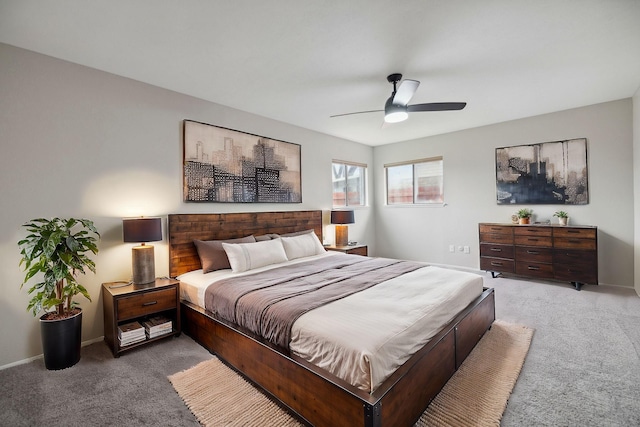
(563, 221)
(524, 220)
(61, 341)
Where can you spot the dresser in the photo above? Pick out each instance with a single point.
(555, 252)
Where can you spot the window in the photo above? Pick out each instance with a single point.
(417, 182)
(349, 184)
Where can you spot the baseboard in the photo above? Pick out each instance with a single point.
(40, 356)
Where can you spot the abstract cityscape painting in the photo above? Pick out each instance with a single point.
(225, 165)
(544, 173)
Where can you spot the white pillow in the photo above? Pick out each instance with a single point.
(247, 256)
(303, 245)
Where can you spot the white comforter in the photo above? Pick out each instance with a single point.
(365, 337)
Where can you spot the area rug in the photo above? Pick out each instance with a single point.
(476, 395)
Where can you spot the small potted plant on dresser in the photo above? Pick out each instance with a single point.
(563, 217)
(57, 249)
(524, 215)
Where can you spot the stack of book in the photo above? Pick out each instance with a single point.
(131, 333)
(157, 326)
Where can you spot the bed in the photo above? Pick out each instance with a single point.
(318, 396)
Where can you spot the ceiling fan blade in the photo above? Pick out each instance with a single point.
(405, 92)
(437, 106)
(357, 112)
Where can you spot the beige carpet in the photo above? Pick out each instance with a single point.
(476, 395)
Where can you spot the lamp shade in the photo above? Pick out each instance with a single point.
(342, 217)
(140, 230)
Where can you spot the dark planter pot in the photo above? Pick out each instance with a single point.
(61, 341)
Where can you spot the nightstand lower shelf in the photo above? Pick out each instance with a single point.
(126, 305)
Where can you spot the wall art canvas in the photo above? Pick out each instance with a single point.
(225, 165)
(544, 173)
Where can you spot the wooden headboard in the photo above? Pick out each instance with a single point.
(185, 228)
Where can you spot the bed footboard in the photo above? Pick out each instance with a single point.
(322, 399)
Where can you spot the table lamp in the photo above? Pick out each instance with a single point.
(341, 218)
(142, 230)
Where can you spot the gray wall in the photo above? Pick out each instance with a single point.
(469, 174)
(83, 143)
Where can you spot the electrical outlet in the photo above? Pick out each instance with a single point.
(467, 250)
(460, 249)
(452, 248)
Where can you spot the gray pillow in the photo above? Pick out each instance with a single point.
(297, 233)
(264, 237)
(212, 255)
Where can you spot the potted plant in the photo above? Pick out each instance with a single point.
(524, 215)
(563, 217)
(57, 248)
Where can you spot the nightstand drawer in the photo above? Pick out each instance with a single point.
(146, 303)
(358, 251)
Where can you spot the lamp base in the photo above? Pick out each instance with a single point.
(143, 265)
(342, 235)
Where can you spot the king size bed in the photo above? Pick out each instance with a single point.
(364, 341)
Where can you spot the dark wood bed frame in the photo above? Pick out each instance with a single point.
(316, 396)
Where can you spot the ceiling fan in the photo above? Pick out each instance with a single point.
(397, 107)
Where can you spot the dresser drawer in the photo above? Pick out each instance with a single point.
(582, 233)
(496, 229)
(577, 273)
(146, 303)
(490, 233)
(534, 269)
(532, 231)
(534, 254)
(574, 243)
(526, 240)
(497, 264)
(496, 250)
(575, 257)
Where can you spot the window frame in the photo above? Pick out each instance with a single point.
(362, 189)
(415, 188)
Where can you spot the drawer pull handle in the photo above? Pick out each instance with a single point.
(574, 241)
(531, 267)
(149, 303)
(573, 231)
(496, 249)
(531, 239)
(533, 252)
(570, 255)
(496, 263)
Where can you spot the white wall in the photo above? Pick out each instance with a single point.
(636, 185)
(83, 143)
(469, 165)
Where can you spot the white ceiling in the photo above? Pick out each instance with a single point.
(300, 61)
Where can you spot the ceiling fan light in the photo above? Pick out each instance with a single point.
(395, 116)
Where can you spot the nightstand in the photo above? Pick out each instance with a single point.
(125, 303)
(352, 249)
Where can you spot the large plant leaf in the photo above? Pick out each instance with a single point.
(57, 248)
